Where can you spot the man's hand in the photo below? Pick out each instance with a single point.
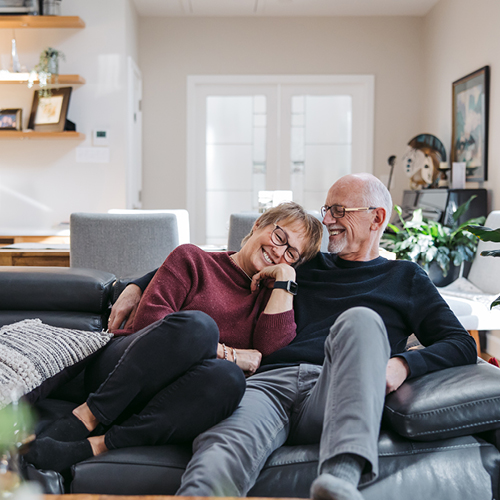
(248, 360)
(125, 308)
(396, 373)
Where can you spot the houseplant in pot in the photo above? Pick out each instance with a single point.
(47, 70)
(432, 245)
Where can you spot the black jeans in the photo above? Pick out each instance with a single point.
(163, 384)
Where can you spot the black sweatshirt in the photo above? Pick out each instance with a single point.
(399, 291)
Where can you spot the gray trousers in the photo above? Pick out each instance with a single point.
(338, 405)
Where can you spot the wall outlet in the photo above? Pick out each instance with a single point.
(92, 155)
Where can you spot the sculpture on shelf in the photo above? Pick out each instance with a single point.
(424, 162)
(47, 70)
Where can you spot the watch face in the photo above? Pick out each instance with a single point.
(293, 287)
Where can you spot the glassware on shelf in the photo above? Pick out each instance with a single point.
(16, 424)
(16, 66)
(51, 7)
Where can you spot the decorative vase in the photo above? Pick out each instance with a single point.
(53, 65)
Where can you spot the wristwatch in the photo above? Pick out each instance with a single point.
(290, 286)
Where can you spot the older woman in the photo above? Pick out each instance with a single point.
(204, 320)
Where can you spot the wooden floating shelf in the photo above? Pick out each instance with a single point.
(62, 80)
(32, 134)
(15, 22)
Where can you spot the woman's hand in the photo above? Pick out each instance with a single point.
(125, 308)
(247, 359)
(278, 272)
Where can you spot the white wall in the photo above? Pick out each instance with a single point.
(41, 183)
(461, 36)
(170, 49)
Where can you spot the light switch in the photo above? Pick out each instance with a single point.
(100, 137)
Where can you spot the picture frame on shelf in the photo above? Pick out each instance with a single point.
(48, 113)
(470, 123)
(11, 119)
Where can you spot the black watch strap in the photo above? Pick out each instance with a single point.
(290, 286)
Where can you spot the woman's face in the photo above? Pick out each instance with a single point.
(260, 251)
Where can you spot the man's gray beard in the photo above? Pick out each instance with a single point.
(337, 246)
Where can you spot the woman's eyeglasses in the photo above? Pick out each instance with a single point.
(280, 239)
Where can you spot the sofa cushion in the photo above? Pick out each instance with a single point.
(35, 357)
(454, 469)
(453, 402)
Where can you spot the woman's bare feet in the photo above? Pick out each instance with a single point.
(98, 445)
(84, 414)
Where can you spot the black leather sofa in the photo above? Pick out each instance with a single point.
(439, 437)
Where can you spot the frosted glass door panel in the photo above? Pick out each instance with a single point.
(229, 119)
(236, 166)
(324, 165)
(314, 199)
(320, 145)
(328, 119)
(229, 166)
(221, 205)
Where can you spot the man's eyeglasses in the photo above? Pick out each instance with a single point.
(338, 211)
(280, 239)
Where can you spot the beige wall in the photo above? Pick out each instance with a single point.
(41, 183)
(461, 36)
(170, 49)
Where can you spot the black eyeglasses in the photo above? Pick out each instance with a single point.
(338, 211)
(280, 239)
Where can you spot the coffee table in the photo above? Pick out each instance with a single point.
(85, 496)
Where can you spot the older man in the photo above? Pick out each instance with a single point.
(354, 312)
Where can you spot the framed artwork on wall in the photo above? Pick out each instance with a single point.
(48, 113)
(470, 123)
(11, 119)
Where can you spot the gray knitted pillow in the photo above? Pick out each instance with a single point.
(32, 352)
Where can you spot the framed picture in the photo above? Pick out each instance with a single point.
(48, 113)
(11, 119)
(470, 123)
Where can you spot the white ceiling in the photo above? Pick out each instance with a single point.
(283, 8)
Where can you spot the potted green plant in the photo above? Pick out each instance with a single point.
(47, 70)
(433, 245)
(487, 234)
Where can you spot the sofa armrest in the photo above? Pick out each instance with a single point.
(54, 289)
(447, 403)
(60, 296)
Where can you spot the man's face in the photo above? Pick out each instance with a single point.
(349, 236)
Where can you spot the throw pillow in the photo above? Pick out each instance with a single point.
(32, 353)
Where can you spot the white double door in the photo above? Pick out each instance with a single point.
(249, 134)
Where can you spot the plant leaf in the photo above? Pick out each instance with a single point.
(491, 253)
(462, 208)
(485, 233)
(496, 302)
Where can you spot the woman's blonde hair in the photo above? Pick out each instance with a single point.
(289, 213)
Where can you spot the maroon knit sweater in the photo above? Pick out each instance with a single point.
(192, 279)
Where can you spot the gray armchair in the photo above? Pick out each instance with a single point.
(122, 244)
